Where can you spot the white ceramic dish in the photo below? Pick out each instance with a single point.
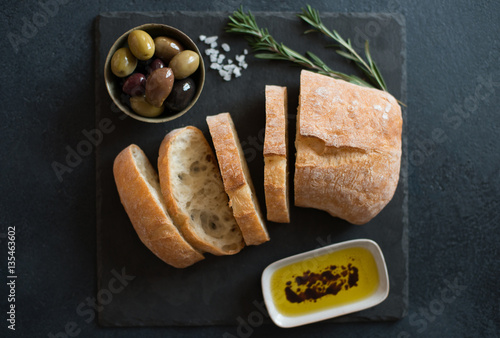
(378, 296)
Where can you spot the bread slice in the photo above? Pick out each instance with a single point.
(348, 146)
(194, 193)
(276, 154)
(139, 190)
(237, 180)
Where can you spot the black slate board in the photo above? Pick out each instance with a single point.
(218, 290)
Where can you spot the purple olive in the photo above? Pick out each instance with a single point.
(135, 85)
(156, 64)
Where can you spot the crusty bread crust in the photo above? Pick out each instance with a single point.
(168, 186)
(237, 181)
(348, 148)
(276, 155)
(276, 133)
(147, 211)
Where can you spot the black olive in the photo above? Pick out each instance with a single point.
(181, 95)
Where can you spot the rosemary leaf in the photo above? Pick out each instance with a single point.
(345, 49)
(367, 53)
(268, 56)
(260, 40)
(346, 55)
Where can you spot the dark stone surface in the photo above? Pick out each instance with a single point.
(220, 289)
(47, 96)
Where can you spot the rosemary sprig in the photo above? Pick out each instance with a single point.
(260, 40)
(369, 68)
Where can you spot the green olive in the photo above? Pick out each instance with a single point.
(123, 62)
(141, 44)
(144, 108)
(166, 48)
(159, 85)
(184, 64)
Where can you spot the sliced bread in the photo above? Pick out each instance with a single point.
(194, 193)
(276, 185)
(139, 191)
(237, 180)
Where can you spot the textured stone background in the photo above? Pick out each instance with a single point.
(47, 99)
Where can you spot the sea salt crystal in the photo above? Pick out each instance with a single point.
(377, 107)
(388, 108)
(215, 66)
(211, 51)
(240, 58)
(241, 61)
(211, 39)
(385, 116)
(226, 67)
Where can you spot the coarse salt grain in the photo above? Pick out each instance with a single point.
(216, 66)
(211, 39)
(230, 68)
(211, 51)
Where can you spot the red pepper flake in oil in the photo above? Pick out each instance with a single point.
(311, 286)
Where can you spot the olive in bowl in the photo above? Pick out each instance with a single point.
(152, 47)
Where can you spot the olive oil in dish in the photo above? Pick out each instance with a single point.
(325, 281)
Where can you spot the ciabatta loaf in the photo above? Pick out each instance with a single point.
(276, 154)
(237, 181)
(348, 146)
(194, 193)
(139, 190)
